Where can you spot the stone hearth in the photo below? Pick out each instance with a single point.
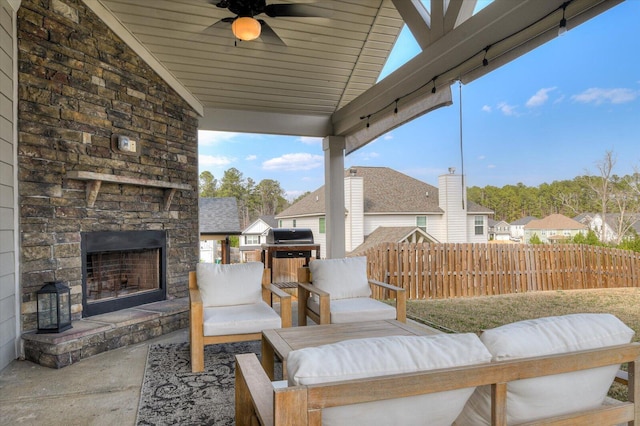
(100, 333)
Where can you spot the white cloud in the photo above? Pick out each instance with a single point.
(599, 96)
(491, 166)
(212, 160)
(507, 109)
(251, 157)
(486, 108)
(387, 137)
(481, 157)
(294, 162)
(210, 138)
(540, 97)
(307, 140)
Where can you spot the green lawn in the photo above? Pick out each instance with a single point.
(473, 314)
(478, 313)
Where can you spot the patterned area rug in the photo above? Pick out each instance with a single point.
(173, 395)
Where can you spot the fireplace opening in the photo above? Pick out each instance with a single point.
(122, 270)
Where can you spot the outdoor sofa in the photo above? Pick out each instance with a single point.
(554, 370)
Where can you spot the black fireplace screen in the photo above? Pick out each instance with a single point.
(122, 273)
(122, 270)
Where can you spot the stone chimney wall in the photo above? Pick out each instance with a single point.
(79, 87)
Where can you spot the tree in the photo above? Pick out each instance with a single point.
(535, 239)
(269, 197)
(207, 184)
(234, 185)
(601, 186)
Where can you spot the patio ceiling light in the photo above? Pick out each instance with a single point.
(246, 28)
(562, 28)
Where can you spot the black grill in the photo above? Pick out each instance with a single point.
(282, 240)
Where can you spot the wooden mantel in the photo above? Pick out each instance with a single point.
(95, 181)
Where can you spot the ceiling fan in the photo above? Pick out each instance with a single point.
(246, 27)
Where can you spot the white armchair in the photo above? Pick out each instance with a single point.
(232, 303)
(334, 291)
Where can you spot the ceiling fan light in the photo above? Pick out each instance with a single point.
(246, 28)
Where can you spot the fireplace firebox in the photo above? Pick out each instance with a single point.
(122, 269)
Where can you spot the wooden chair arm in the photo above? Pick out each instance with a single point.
(254, 392)
(285, 304)
(195, 298)
(387, 286)
(313, 289)
(401, 299)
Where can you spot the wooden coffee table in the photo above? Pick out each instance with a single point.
(281, 341)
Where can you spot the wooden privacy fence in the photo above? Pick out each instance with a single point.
(436, 271)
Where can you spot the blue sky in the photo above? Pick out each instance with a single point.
(549, 115)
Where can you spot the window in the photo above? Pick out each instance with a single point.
(294, 223)
(479, 225)
(322, 225)
(280, 223)
(421, 222)
(252, 239)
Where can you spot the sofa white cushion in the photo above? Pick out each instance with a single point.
(532, 399)
(239, 319)
(225, 285)
(360, 358)
(341, 278)
(356, 309)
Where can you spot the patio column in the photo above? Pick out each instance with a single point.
(333, 147)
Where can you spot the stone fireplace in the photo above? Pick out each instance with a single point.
(81, 91)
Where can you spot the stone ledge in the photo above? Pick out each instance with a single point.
(100, 333)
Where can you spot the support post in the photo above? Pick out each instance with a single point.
(333, 147)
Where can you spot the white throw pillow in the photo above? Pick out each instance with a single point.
(225, 285)
(341, 278)
(380, 356)
(537, 398)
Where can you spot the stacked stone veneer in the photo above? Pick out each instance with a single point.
(79, 85)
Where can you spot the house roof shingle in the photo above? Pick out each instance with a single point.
(555, 221)
(386, 234)
(385, 191)
(219, 216)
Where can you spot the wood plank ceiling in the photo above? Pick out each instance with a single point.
(324, 80)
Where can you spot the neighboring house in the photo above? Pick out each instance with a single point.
(516, 228)
(499, 230)
(611, 225)
(553, 229)
(218, 220)
(392, 234)
(380, 196)
(254, 235)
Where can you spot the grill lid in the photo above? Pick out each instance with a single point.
(290, 236)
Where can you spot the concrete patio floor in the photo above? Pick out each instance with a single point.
(100, 390)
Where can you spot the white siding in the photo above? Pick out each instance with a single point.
(471, 229)
(455, 215)
(8, 187)
(354, 203)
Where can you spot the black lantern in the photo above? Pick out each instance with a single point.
(54, 308)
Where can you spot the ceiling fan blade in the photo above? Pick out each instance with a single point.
(224, 22)
(268, 35)
(296, 10)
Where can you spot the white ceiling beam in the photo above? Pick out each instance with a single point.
(417, 19)
(458, 11)
(273, 123)
(137, 46)
(459, 52)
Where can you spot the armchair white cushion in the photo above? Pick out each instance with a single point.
(226, 285)
(355, 309)
(537, 398)
(341, 278)
(372, 357)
